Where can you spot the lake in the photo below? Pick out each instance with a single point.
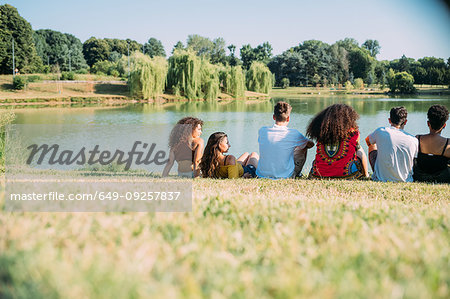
(241, 120)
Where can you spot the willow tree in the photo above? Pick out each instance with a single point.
(233, 81)
(148, 76)
(184, 77)
(259, 78)
(191, 76)
(209, 78)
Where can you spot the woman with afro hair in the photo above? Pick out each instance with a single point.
(339, 154)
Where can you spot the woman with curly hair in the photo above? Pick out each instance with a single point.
(339, 154)
(215, 164)
(186, 147)
(433, 159)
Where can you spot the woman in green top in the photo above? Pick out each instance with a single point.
(215, 164)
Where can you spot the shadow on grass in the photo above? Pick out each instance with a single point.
(6, 86)
(116, 89)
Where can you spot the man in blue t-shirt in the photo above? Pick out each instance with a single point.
(282, 150)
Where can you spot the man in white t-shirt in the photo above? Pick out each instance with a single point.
(282, 150)
(392, 150)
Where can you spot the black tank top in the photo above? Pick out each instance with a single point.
(429, 163)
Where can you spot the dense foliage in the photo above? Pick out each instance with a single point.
(261, 53)
(311, 62)
(191, 76)
(259, 78)
(232, 80)
(154, 48)
(95, 50)
(402, 82)
(148, 76)
(59, 48)
(14, 27)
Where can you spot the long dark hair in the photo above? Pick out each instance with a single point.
(182, 131)
(210, 159)
(332, 124)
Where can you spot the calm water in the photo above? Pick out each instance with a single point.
(240, 120)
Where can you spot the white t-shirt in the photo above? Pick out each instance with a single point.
(276, 151)
(396, 152)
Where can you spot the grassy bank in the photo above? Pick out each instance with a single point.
(87, 89)
(244, 238)
(373, 91)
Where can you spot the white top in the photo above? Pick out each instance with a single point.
(396, 152)
(276, 151)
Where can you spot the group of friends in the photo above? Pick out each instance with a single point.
(394, 155)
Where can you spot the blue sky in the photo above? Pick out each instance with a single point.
(416, 28)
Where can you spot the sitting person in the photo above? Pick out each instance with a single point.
(339, 154)
(282, 149)
(186, 147)
(433, 160)
(392, 150)
(215, 164)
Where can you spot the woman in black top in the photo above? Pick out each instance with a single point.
(433, 160)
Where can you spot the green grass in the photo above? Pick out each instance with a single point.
(243, 239)
(372, 91)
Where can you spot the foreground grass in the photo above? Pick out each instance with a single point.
(245, 239)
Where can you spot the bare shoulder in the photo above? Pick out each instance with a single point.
(447, 151)
(198, 142)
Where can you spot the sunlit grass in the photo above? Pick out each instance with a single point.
(244, 238)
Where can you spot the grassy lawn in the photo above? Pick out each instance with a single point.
(244, 239)
(372, 91)
(90, 88)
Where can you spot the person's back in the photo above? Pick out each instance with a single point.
(339, 154)
(276, 150)
(433, 159)
(393, 158)
(396, 152)
(277, 145)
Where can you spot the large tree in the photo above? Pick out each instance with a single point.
(14, 27)
(121, 46)
(348, 43)
(202, 46)
(154, 48)
(318, 60)
(178, 46)
(95, 50)
(59, 48)
(261, 53)
(290, 65)
(218, 54)
(339, 64)
(373, 46)
(361, 63)
(214, 50)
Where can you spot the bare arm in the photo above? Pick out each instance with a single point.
(169, 164)
(309, 144)
(198, 154)
(362, 155)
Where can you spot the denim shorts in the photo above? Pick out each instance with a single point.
(251, 169)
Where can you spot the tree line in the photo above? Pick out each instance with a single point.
(309, 63)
